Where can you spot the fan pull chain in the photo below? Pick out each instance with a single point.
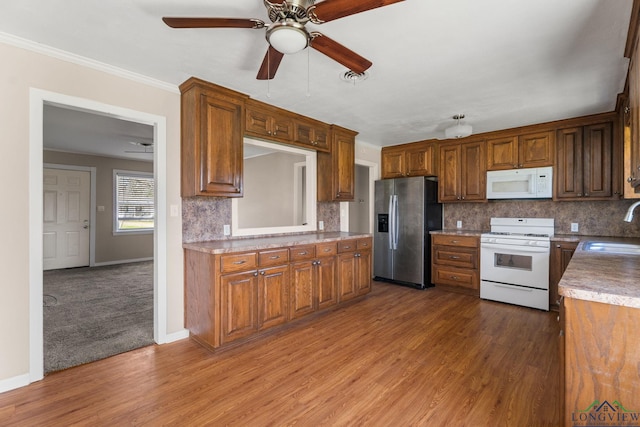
(269, 72)
(308, 72)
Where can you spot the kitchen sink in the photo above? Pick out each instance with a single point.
(612, 248)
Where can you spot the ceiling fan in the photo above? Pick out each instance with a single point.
(287, 32)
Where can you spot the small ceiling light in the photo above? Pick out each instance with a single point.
(458, 130)
(287, 36)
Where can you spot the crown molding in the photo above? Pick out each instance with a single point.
(43, 49)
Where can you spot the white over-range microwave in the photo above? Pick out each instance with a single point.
(529, 183)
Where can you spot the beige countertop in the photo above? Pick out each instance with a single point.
(603, 277)
(258, 243)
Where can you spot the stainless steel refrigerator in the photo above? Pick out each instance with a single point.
(406, 209)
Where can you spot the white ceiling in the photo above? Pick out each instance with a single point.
(503, 63)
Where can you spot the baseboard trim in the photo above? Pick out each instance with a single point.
(121, 261)
(176, 336)
(14, 383)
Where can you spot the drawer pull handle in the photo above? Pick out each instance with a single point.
(274, 257)
(240, 262)
(454, 241)
(454, 277)
(303, 253)
(454, 257)
(347, 247)
(327, 249)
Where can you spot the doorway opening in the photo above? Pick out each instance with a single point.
(357, 216)
(39, 101)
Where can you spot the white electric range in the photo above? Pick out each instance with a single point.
(514, 261)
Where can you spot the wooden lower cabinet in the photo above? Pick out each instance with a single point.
(455, 263)
(600, 362)
(354, 269)
(232, 296)
(253, 301)
(561, 253)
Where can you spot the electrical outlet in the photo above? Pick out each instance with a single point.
(320, 225)
(227, 230)
(458, 224)
(574, 227)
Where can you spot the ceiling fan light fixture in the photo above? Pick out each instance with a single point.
(287, 36)
(458, 130)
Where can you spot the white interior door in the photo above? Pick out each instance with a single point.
(67, 202)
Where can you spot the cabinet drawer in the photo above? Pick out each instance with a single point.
(347, 245)
(326, 249)
(363, 244)
(274, 257)
(458, 257)
(455, 277)
(302, 252)
(444, 239)
(238, 262)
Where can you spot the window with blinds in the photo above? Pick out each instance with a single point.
(134, 201)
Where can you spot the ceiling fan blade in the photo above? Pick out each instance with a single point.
(270, 64)
(213, 22)
(339, 53)
(329, 10)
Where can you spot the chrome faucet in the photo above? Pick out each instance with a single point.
(629, 215)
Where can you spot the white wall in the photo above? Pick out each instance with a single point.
(21, 70)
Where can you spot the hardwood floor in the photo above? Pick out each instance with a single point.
(397, 357)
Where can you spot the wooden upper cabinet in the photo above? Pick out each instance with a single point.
(266, 121)
(417, 159)
(421, 160)
(585, 167)
(392, 163)
(311, 133)
(336, 170)
(212, 129)
(632, 135)
(502, 153)
(523, 151)
(463, 175)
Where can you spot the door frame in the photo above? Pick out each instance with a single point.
(344, 206)
(38, 98)
(92, 204)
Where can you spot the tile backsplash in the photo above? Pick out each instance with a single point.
(604, 218)
(203, 218)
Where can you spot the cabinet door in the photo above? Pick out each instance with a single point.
(347, 276)
(258, 122)
(326, 282)
(561, 254)
(219, 155)
(535, 150)
(598, 161)
(393, 163)
(633, 158)
(363, 272)
(272, 296)
(450, 180)
(344, 173)
(336, 170)
(502, 153)
(474, 171)
(301, 293)
(420, 161)
(311, 134)
(239, 305)
(569, 163)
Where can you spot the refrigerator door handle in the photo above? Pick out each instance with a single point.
(391, 226)
(396, 223)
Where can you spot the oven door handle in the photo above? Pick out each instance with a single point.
(520, 249)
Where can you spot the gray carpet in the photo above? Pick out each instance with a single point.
(94, 313)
